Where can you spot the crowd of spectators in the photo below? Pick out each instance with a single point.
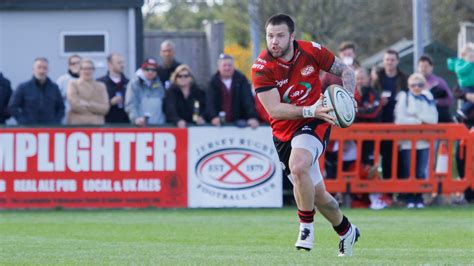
(388, 95)
(168, 93)
(157, 94)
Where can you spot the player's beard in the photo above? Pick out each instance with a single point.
(282, 52)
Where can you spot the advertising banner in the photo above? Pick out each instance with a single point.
(233, 167)
(93, 167)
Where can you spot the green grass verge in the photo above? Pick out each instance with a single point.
(231, 237)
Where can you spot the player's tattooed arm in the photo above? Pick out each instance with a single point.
(346, 73)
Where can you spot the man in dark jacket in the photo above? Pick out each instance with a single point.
(37, 101)
(167, 54)
(5, 94)
(116, 84)
(229, 97)
(438, 87)
(389, 82)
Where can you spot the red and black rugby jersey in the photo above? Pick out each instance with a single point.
(297, 82)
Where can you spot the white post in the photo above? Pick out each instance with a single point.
(132, 49)
(254, 27)
(417, 31)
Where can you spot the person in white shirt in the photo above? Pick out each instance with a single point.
(74, 66)
(415, 107)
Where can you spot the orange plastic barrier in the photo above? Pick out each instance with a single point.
(445, 180)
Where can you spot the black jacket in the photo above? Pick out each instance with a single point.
(5, 94)
(444, 114)
(177, 107)
(242, 99)
(401, 85)
(34, 104)
(165, 72)
(116, 113)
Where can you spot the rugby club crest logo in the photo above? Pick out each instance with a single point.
(235, 168)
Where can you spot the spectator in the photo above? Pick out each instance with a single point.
(37, 101)
(347, 52)
(229, 96)
(373, 73)
(438, 88)
(464, 69)
(144, 98)
(467, 97)
(369, 110)
(469, 123)
(116, 84)
(185, 101)
(389, 82)
(5, 94)
(415, 107)
(88, 98)
(73, 62)
(368, 99)
(369, 106)
(167, 54)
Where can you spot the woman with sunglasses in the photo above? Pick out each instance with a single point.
(185, 102)
(415, 107)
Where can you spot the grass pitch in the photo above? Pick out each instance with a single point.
(231, 237)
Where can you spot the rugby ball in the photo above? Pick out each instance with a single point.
(339, 99)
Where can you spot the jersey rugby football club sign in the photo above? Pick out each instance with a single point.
(233, 167)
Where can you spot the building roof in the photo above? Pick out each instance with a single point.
(68, 4)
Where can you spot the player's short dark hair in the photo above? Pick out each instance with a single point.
(391, 51)
(426, 58)
(279, 19)
(347, 45)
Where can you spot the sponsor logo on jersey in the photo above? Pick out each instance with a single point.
(280, 83)
(261, 61)
(257, 66)
(307, 70)
(316, 45)
(298, 92)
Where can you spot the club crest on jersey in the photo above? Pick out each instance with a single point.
(298, 92)
(307, 70)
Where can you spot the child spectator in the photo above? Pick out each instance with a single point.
(464, 69)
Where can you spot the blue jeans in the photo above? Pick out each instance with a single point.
(467, 105)
(421, 169)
